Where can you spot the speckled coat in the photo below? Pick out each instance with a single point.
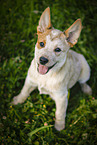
(62, 70)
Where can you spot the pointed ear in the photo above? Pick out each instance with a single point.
(73, 32)
(45, 21)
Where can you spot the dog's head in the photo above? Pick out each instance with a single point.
(52, 45)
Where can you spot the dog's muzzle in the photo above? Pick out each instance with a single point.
(43, 60)
(42, 69)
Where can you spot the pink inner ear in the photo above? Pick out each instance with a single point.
(73, 32)
(45, 21)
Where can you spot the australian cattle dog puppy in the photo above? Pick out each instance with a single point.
(55, 68)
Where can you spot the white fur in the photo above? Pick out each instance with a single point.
(70, 68)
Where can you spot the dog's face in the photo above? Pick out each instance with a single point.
(50, 50)
(52, 45)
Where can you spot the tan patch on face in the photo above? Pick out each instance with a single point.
(42, 38)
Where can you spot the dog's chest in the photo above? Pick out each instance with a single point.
(42, 89)
(45, 83)
(45, 86)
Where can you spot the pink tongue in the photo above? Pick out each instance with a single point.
(43, 69)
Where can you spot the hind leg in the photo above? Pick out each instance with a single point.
(84, 76)
(86, 89)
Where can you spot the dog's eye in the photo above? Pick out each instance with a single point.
(57, 50)
(41, 44)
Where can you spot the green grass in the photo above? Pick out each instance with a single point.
(32, 122)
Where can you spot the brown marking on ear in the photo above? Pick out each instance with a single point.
(42, 38)
(49, 25)
(46, 30)
(67, 31)
(70, 44)
(42, 19)
(47, 10)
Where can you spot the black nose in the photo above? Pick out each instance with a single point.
(43, 60)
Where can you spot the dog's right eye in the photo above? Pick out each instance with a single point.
(57, 50)
(41, 44)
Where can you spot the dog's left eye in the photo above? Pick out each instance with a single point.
(41, 44)
(57, 50)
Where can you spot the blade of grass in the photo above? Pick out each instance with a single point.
(38, 129)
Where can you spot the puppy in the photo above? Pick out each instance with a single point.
(55, 68)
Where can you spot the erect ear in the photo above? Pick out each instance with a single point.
(45, 21)
(73, 32)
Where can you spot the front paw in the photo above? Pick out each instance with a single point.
(17, 99)
(59, 125)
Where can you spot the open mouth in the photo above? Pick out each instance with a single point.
(42, 69)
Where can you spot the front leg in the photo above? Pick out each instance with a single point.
(26, 90)
(61, 106)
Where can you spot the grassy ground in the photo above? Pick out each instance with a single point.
(32, 122)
